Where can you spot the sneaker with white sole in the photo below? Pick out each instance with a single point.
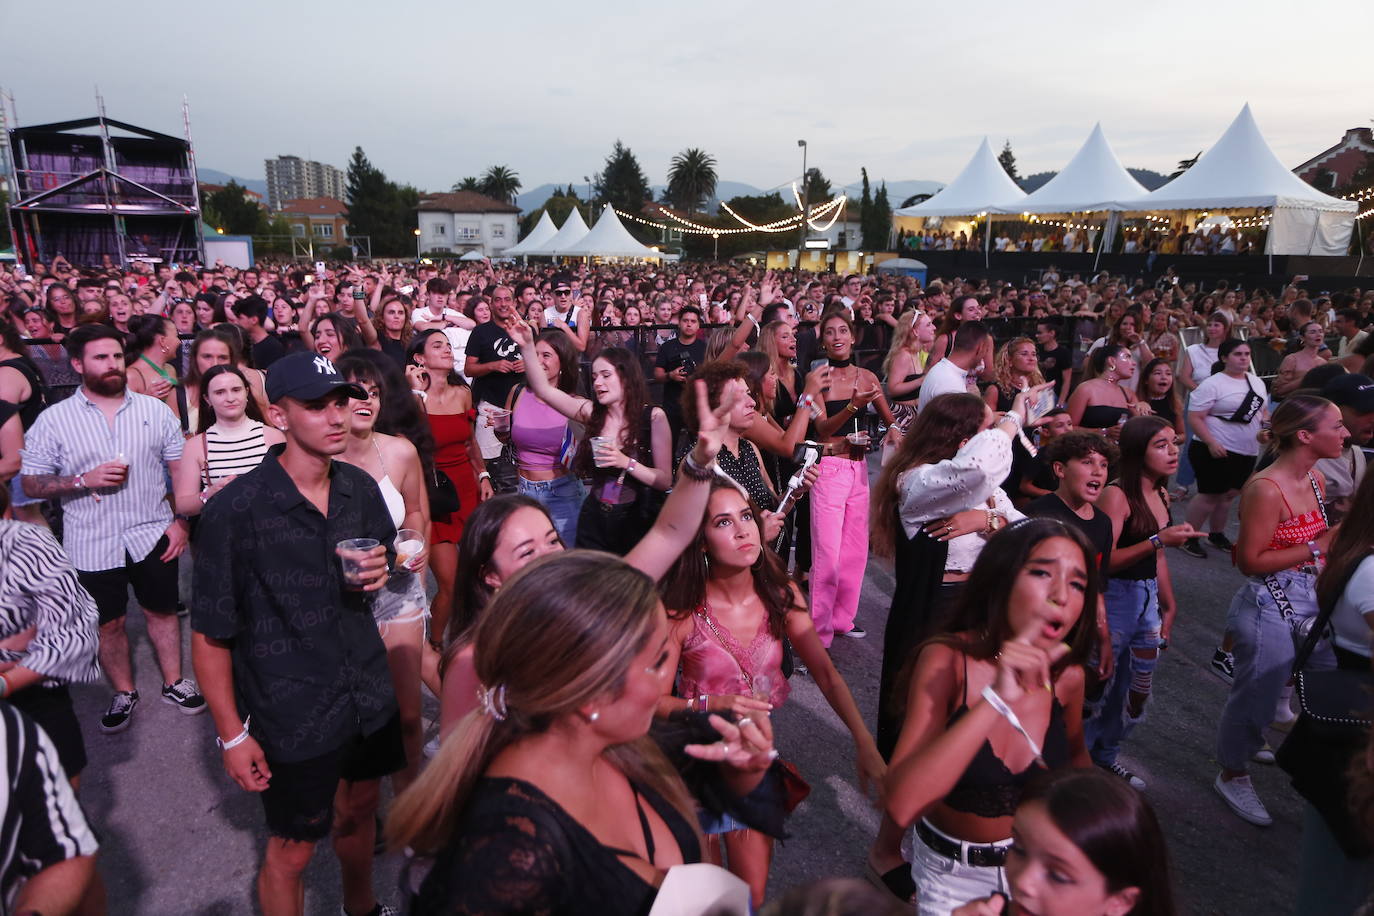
(380, 909)
(184, 696)
(1135, 781)
(1240, 796)
(1193, 548)
(1224, 665)
(1284, 716)
(120, 713)
(854, 632)
(1264, 754)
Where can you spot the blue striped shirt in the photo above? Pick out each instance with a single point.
(72, 437)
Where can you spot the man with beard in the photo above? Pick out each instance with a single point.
(105, 453)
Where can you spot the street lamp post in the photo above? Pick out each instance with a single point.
(588, 180)
(806, 204)
(417, 246)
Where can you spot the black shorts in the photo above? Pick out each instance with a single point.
(154, 582)
(1216, 476)
(299, 798)
(51, 708)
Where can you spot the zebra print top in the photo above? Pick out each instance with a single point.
(48, 622)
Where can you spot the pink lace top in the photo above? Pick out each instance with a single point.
(709, 667)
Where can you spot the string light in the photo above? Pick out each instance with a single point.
(702, 231)
(1365, 194)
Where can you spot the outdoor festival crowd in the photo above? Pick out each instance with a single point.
(1213, 239)
(608, 515)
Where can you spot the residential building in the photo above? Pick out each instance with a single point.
(463, 221)
(294, 178)
(1333, 168)
(322, 219)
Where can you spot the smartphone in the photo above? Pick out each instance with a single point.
(319, 268)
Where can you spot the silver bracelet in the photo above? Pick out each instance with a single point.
(235, 742)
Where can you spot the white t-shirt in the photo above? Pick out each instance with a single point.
(1202, 358)
(458, 341)
(569, 317)
(1351, 629)
(942, 378)
(423, 314)
(1221, 396)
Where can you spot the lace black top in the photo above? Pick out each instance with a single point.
(517, 851)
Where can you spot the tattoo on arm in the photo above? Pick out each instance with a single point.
(48, 486)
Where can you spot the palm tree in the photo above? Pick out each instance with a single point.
(692, 179)
(467, 184)
(500, 182)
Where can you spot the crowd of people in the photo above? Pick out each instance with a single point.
(1211, 239)
(606, 515)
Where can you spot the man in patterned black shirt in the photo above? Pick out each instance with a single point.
(290, 660)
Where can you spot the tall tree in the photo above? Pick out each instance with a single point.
(817, 186)
(691, 180)
(232, 210)
(865, 212)
(501, 183)
(469, 183)
(380, 209)
(621, 182)
(882, 221)
(1008, 160)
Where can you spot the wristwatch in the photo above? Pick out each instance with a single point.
(1155, 539)
(1316, 551)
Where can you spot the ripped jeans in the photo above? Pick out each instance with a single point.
(1134, 620)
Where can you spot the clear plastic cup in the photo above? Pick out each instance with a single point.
(409, 543)
(858, 445)
(352, 552)
(499, 418)
(600, 445)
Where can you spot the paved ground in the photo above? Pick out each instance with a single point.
(178, 838)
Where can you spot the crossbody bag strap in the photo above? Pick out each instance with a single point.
(705, 615)
(1324, 611)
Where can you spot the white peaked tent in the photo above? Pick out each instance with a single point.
(1093, 180)
(983, 186)
(1241, 172)
(570, 234)
(608, 239)
(541, 233)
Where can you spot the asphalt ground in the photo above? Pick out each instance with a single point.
(179, 838)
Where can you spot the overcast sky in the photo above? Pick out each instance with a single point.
(439, 90)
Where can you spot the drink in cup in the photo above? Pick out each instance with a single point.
(858, 445)
(409, 543)
(352, 552)
(499, 418)
(600, 445)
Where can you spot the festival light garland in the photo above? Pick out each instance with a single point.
(788, 224)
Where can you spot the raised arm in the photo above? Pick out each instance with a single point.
(569, 405)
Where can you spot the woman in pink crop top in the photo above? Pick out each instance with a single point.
(542, 439)
(731, 605)
(1282, 545)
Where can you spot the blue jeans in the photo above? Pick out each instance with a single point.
(562, 497)
(1264, 662)
(1134, 621)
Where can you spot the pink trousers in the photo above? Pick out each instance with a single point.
(839, 544)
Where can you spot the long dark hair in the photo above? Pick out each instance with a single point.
(193, 375)
(206, 417)
(684, 587)
(756, 366)
(568, 366)
(398, 413)
(349, 338)
(417, 346)
(1142, 385)
(635, 396)
(142, 330)
(935, 435)
(1131, 476)
(981, 621)
(1115, 828)
(1352, 542)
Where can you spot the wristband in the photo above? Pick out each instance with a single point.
(485, 475)
(1159, 544)
(630, 468)
(694, 471)
(1316, 551)
(235, 742)
(79, 481)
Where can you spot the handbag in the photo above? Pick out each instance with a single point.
(443, 492)
(1332, 728)
(795, 787)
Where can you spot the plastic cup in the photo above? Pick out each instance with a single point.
(600, 445)
(409, 543)
(858, 445)
(499, 418)
(352, 552)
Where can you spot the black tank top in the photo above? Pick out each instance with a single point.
(1147, 567)
(32, 406)
(1102, 416)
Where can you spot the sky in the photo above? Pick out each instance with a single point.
(437, 91)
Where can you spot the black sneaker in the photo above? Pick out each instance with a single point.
(855, 632)
(1133, 780)
(184, 695)
(1224, 665)
(1193, 548)
(1220, 541)
(121, 712)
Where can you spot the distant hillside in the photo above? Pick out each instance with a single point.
(215, 176)
(897, 191)
(1149, 179)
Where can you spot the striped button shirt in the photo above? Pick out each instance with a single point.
(41, 822)
(72, 438)
(48, 622)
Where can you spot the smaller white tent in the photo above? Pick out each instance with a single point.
(983, 186)
(473, 255)
(574, 228)
(1093, 180)
(541, 233)
(1241, 172)
(608, 239)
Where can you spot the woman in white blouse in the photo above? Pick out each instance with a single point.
(933, 507)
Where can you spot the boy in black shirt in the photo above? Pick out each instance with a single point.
(676, 361)
(1056, 360)
(1080, 461)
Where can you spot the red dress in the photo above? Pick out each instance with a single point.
(451, 434)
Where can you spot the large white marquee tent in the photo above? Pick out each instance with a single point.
(1094, 179)
(609, 239)
(574, 229)
(538, 236)
(982, 186)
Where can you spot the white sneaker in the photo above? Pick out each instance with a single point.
(1135, 781)
(1264, 754)
(1239, 794)
(1284, 716)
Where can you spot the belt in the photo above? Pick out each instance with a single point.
(984, 856)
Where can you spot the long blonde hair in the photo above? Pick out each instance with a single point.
(903, 338)
(1002, 367)
(561, 633)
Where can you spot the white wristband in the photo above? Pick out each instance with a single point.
(235, 742)
(485, 475)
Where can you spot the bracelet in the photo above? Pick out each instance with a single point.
(630, 468)
(851, 406)
(1316, 551)
(79, 481)
(485, 475)
(235, 742)
(991, 524)
(694, 471)
(203, 498)
(1155, 540)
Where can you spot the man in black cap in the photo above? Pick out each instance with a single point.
(1354, 395)
(291, 662)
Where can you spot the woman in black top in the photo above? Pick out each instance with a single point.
(1157, 389)
(1102, 404)
(1017, 643)
(550, 798)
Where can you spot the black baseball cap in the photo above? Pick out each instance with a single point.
(561, 282)
(1351, 390)
(307, 377)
